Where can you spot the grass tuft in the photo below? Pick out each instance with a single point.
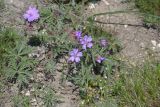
(151, 8)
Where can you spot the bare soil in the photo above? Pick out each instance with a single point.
(128, 28)
(65, 91)
(134, 39)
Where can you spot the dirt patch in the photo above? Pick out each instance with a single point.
(12, 16)
(128, 28)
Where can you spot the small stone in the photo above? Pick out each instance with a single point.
(59, 66)
(158, 45)
(154, 43)
(106, 2)
(95, 18)
(40, 69)
(33, 55)
(22, 92)
(30, 55)
(91, 6)
(44, 31)
(82, 102)
(32, 90)
(32, 78)
(62, 60)
(40, 77)
(33, 100)
(142, 45)
(41, 50)
(28, 93)
(153, 48)
(105, 77)
(42, 57)
(36, 55)
(69, 84)
(125, 26)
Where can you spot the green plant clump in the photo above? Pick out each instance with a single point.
(64, 25)
(8, 39)
(151, 10)
(139, 88)
(2, 5)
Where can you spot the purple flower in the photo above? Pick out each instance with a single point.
(103, 42)
(78, 34)
(86, 41)
(100, 59)
(75, 55)
(31, 14)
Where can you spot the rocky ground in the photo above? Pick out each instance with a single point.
(12, 16)
(127, 27)
(136, 39)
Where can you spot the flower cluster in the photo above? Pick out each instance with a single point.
(75, 55)
(31, 14)
(100, 59)
(78, 35)
(103, 42)
(85, 42)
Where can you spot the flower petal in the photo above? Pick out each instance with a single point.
(77, 59)
(79, 54)
(89, 39)
(25, 16)
(75, 51)
(89, 45)
(98, 60)
(84, 46)
(78, 34)
(31, 14)
(71, 59)
(71, 53)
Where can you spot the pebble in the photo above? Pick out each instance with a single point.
(40, 77)
(22, 92)
(154, 43)
(42, 57)
(34, 55)
(125, 26)
(34, 102)
(91, 6)
(153, 48)
(40, 102)
(62, 60)
(142, 45)
(44, 31)
(106, 2)
(69, 84)
(40, 69)
(41, 50)
(32, 90)
(32, 78)
(28, 93)
(59, 66)
(105, 77)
